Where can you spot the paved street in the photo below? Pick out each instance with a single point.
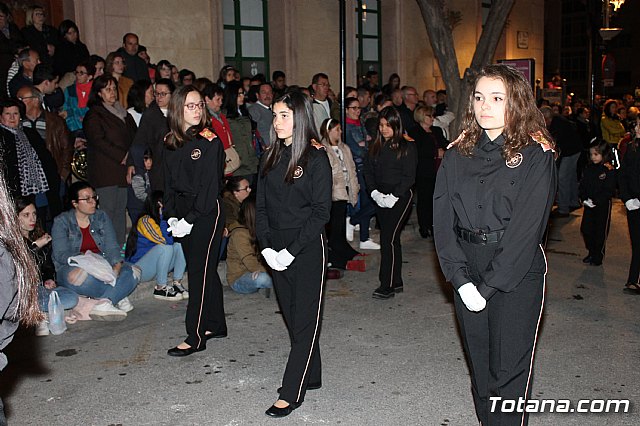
(393, 362)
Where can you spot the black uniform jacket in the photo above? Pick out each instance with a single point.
(629, 173)
(598, 183)
(389, 174)
(481, 193)
(304, 204)
(193, 177)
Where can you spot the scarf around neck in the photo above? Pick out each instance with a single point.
(117, 110)
(32, 177)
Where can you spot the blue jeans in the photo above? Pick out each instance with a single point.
(366, 212)
(68, 298)
(246, 284)
(160, 260)
(93, 287)
(568, 183)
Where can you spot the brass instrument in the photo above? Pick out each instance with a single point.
(79, 164)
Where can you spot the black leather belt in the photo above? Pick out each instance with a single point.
(479, 236)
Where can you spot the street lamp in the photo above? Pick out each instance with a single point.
(608, 33)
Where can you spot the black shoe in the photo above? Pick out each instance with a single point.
(383, 293)
(274, 411)
(423, 233)
(183, 352)
(310, 386)
(166, 293)
(595, 262)
(586, 259)
(398, 288)
(557, 214)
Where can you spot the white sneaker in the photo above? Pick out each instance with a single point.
(350, 229)
(42, 329)
(125, 305)
(106, 310)
(369, 245)
(178, 288)
(356, 227)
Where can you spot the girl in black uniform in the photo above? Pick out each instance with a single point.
(293, 206)
(597, 187)
(390, 172)
(494, 192)
(194, 167)
(629, 181)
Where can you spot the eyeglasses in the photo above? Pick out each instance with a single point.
(356, 108)
(28, 97)
(248, 189)
(161, 94)
(193, 105)
(89, 199)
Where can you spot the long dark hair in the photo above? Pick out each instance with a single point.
(607, 109)
(397, 141)
(21, 203)
(177, 137)
(151, 209)
(26, 273)
(136, 95)
(230, 103)
(247, 218)
(522, 118)
(304, 131)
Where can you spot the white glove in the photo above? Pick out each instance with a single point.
(589, 203)
(471, 298)
(270, 255)
(633, 204)
(179, 228)
(284, 257)
(377, 196)
(389, 201)
(172, 221)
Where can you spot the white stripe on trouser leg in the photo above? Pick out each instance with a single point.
(204, 276)
(606, 228)
(535, 338)
(315, 332)
(393, 237)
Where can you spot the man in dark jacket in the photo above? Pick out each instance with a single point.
(565, 134)
(409, 103)
(136, 67)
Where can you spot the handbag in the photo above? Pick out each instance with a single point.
(56, 314)
(94, 265)
(232, 160)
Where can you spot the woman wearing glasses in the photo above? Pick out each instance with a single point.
(76, 97)
(293, 207)
(109, 130)
(194, 168)
(240, 126)
(84, 228)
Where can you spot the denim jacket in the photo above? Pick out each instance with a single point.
(355, 134)
(67, 237)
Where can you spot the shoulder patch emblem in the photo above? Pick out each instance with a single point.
(316, 145)
(458, 139)
(544, 143)
(208, 134)
(602, 176)
(609, 166)
(195, 154)
(298, 172)
(408, 138)
(514, 161)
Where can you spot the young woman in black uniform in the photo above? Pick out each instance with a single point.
(494, 192)
(194, 167)
(293, 206)
(390, 172)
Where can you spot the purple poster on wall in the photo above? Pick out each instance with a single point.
(526, 66)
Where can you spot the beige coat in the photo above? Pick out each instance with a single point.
(339, 191)
(241, 255)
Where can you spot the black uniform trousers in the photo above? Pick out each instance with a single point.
(595, 226)
(425, 185)
(299, 289)
(391, 223)
(500, 340)
(633, 220)
(340, 251)
(205, 309)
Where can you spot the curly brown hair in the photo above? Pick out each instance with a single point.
(522, 117)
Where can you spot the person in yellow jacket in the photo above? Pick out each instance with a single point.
(245, 273)
(610, 124)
